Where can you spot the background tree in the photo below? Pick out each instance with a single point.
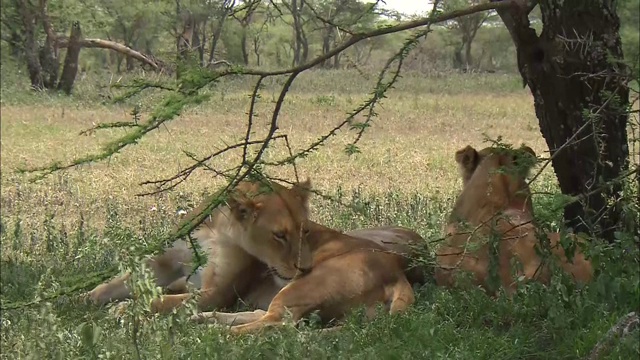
(576, 73)
(466, 28)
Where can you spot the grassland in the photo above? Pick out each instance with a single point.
(85, 219)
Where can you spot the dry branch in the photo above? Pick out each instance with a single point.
(117, 47)
(621, 329)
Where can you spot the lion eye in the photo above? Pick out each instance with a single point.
(280, 236)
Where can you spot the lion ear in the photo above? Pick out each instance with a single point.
(525, 148)
(525, 153)
(243, 208)
(466, 156)
(525, 157)
(302, 190)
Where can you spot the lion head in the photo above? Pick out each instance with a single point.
(495, 178)
(274, 226)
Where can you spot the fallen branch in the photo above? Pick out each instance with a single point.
(117, 47)
(621, 329)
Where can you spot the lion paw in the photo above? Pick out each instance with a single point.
(99, 296)
(120, 309)
(204, 317)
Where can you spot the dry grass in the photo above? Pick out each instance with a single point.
(409, 149)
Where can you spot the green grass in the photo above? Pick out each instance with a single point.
(58, 230)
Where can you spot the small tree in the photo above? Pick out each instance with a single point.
(466, 28)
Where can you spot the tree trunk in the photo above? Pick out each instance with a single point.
(15, 43)
(243, 46)
(196, 42)
(25, 9)
(202, 41)
(186, 36)
(297, 31)
(130, 63)
(146, 59)
(70, 69)
(215, 39)
(457, 59)
(50, 63)
(256, 49)
(468, 59)
(326, 44)
(217, 30)
(49, 52)
(573, 70)
(305, 47)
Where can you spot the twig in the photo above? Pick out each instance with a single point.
(113, 125)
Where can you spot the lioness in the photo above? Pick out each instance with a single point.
(395, 239)
(347, 272)
(253, 230)
(260, 283)
(496, 201)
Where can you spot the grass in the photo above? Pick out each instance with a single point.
(86, 219)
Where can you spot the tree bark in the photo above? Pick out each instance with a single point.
(326, 43)
(574, 72)
(26, 12)
(297, 31)
(49, 52)
(186, 36)
(468, 59)
(243, 46)
(70, 69)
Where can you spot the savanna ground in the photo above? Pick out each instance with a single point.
(87, 219)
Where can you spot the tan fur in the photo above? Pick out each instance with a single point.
(498, 203)
(400, 240)
(256, 232)
(264, 288)
(347, 272)
(395, 239)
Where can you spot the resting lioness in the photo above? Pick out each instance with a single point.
(496, 201)
(253, 230)
(173, 271)
(347, 272)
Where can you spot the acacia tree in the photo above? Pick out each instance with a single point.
(300, 43)
(244, 17)
(466, 28)
(579, 82)
(34, 36)
(336, 18)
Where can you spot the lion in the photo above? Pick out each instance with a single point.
(394, 239)
(260, 284)
(347, 272)
(496, 202)
(255, 228)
